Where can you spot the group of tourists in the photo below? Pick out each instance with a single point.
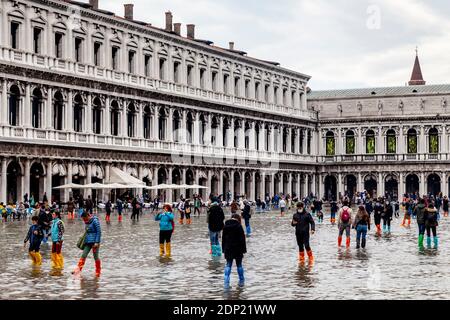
(47, 223)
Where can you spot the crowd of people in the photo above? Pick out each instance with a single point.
(46, 222)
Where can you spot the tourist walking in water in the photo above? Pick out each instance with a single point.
(234, 248)
(420, 216)
(165, 230)
(445, 206)
(234, 207)
(91, 242)
(187, 211)
(57, 232)
(334, 210)
(387, 214)
(181, 212)
(407, 215)
(431, 224)
(362, 225)
(246, 215)
(282, 205)
(377, 213)
(135, 208)
(71, 209)
(344, 222)
(215, 225)
(197, 205)
(302, 220)
(108, 209)
(34, 235)
(119, 205)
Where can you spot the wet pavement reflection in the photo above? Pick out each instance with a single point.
(391, 267)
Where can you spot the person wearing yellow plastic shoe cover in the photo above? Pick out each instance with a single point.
(35, 236)
(165, 227)
(57, 232)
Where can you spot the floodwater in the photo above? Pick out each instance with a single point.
(391, 267)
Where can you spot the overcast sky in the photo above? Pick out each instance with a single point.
(340, 43)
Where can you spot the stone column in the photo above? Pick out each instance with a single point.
(139, 122)
(26, 110)
(272, 185)
(220, 188)
(69, 112)
(253, 188)
(169, 193)
(196, 132)
(68, 180)
(262, 190)
(306, 188)
(272, 139)
(380, 144)
(380, 187)
(48, 181)
(252, 139)
(313, 185)
(401, 186)
(340, 188)
(48, 114)
(232, 184)
(88, 192)
(321, 186)
(290, 189)
(360, 182)
(88, 116)
(4, 102)
(170, 126)
(242, 184)
(422, 190)
(401, 145)
(155, 125)
(3, 191)
(299, 185)
(26, 178)
(423, 143)
(444, 183)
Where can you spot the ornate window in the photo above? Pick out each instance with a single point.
(350, 142)
(370, 142)
(391, 142)
(330, 144)
(433, 141)
(412, 141)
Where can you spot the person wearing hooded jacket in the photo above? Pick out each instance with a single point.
(420, 217)
(246, 215)
(345, 222)
(215, 220)
(302, 220)
(431, 223)
(234, 247)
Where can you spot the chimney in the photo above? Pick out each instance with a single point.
(190, 31)
(177, 28)
(232, 46)
(169, 21)
(129, 11)
(94, 4)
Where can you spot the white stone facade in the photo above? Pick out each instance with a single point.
(83, 90)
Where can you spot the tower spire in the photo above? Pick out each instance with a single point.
(416, 76)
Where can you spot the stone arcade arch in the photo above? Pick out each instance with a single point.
(412, 184)
(391, 186)
(433, 184)
(350, 185)
(13, 181)
(370, 185)
(37, 175)
(330, 187)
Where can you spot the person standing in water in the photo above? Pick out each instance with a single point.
(34, 235)
(362, 225)
(387, 215)
(246, 215)
(165, 230)
(302, 221)
(234, 248)
(215, 225)
(57, 233)
(91, 242)
(344, 222)
(445, 206)
(431, 223)
(420, 216)
(108, 208)
(377, 212)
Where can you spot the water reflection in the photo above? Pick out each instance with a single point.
(132, 268)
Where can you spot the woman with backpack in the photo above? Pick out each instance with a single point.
(344, 222)
(431, 223)
(361, 224)
(386, 215)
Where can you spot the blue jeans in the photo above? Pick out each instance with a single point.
(421, 228)
(214, 237)
(361, 230)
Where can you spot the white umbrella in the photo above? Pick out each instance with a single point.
(70, 186)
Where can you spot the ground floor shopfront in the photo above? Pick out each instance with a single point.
(37, 170)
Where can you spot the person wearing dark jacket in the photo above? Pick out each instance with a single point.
(377, 212)
(431, 223)
(108, 208)
(35, 236)
(44, 222)
(302, 220)
(215, 226)
(419, 212)
(135, 209)
(387, 217)
(246, 215)
(234, 247)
